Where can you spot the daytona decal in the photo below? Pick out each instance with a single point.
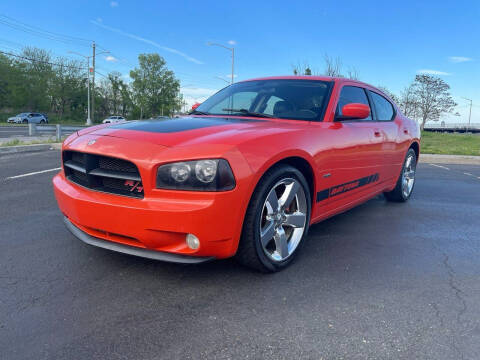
(340, 189)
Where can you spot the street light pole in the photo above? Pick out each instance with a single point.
(219, 77)
(470, 114)
(233, 62)
(233, 55)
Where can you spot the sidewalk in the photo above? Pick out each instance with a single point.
(449, 159)
(27, 139)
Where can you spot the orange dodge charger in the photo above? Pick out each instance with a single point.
(244, 175)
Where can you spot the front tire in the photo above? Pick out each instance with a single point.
(277, 220)
(406, 181)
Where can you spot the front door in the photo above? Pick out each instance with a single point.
(351, 166)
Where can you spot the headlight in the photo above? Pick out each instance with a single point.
(198, 175)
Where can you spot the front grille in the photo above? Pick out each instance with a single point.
(103, 173)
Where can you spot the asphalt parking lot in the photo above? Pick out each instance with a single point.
(382, 281)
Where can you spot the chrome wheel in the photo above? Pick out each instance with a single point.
(408, 175)
(283, 221)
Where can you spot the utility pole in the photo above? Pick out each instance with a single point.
(89, 120)
(470, 114)
(93, 82)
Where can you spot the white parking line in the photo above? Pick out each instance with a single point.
(32, 173)
(440, 166)
(465, 173)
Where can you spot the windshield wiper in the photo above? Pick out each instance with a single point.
(196, 112)
(249, 113)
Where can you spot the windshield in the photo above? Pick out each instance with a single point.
(283, 98)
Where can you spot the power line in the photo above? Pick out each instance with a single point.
(40, 61)
(18, 25)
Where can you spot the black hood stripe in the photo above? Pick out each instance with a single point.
(178, 124)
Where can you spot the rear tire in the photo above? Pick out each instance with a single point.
(277, 220)
(42, 121)
(406, 181)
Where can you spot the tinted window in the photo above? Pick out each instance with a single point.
(282, 98)
(352, 94)
(270, 104)
(383, 107)
(239, 100)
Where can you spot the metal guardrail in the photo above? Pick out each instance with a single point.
(59, 130)
(453, 127)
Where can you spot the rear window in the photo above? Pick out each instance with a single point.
(383, 107)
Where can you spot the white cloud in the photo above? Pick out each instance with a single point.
(197, 92)
(147, 41)
(111, 58)
(193, 95)
(113, 4)
(459, 59)
(432, 72)
(232, 42)
(99, 19)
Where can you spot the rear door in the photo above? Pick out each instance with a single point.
(385, 118)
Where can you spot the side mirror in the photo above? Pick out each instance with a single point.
(354, 111)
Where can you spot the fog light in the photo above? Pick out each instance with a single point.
(192, 241)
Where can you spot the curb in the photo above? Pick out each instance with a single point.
(6, 150)
(450, 159)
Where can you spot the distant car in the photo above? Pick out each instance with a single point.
(113, 119)
(25, 118)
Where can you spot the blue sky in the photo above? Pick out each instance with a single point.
(386, 42)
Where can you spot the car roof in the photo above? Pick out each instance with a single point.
(338, 80)
(309, 77)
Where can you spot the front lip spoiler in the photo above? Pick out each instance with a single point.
(131, 250)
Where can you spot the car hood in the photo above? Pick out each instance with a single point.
(193, 130)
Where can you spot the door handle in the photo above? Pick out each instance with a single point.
(377, 133)
(405, 131)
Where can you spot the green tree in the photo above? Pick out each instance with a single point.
(433, 97)
(155, 88)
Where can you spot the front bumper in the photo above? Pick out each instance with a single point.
(132, 250)
(155, 226)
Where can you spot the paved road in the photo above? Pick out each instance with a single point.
(382, 281)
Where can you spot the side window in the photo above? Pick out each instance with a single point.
(352, 94)
(241, 100)
(383, 107)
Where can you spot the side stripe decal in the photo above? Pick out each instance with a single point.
(340, 189)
